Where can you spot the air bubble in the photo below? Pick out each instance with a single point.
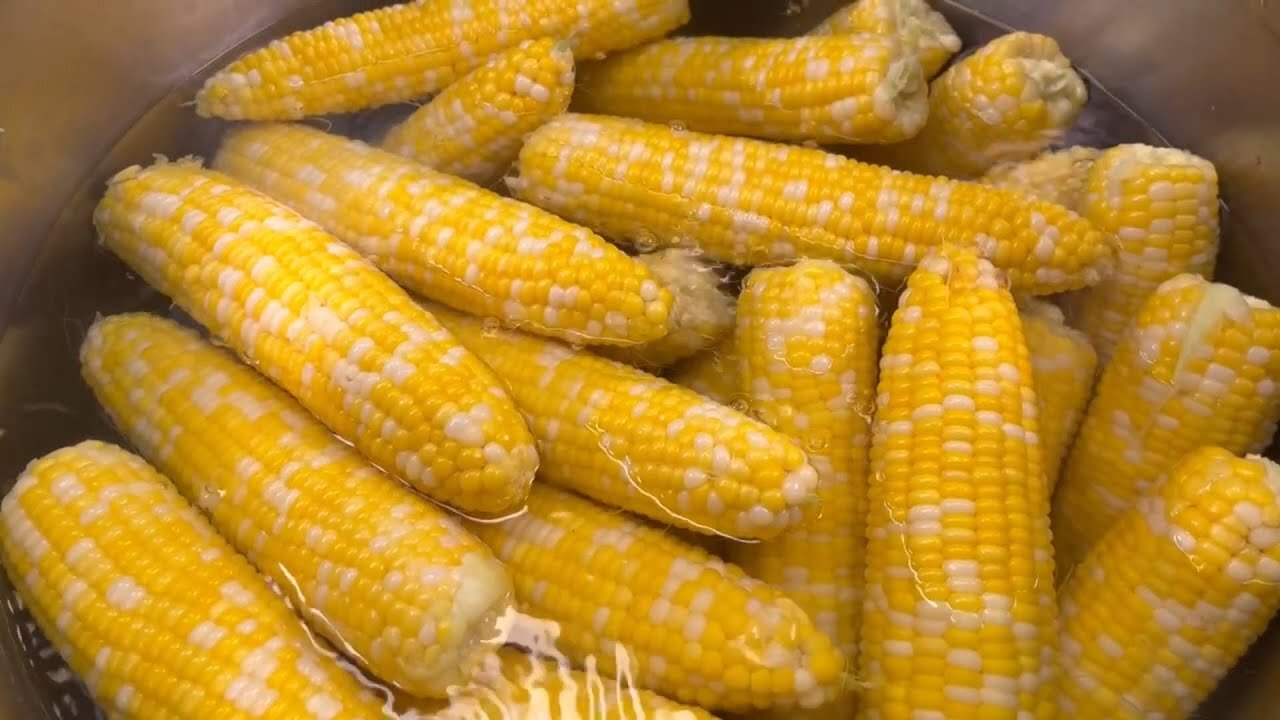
(678, 125)
(645, 242)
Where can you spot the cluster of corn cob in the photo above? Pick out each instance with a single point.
(889, 528)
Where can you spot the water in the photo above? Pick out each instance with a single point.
(45, 404)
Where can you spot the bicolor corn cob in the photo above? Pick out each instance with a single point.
(749, 202)
(807, 341)
(1058, 176)
(635, 441)
(1008, 101)
(1199, 366)
(1161, 205)
(682, 622)
(960, 613)
(474, 128)
(701, 311)
(156, 613)
(712, 373)
(512, 684)
(1175, 592)
(411, 50)
(842, 88)
(412, 596)
(1064, 367)
(452, 241)
(323, 323)
(921, 29)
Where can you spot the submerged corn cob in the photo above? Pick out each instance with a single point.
(712, 373)
(701, 311)
(635, 441)
(1059, 176)
(806, 339)
(921, 29)
(960, 613)
(1199, 366)
(1161, 204)
(1175, 592)
(475, 127)
(407, 51)
(298, 503)
(749, 202)
(452, 241)
(842, 88)
(1008, 101)
(154, 611)
(682, 622)
(513, 684)
(1064, 367)
(324, 324)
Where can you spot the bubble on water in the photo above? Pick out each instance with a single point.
(795, 7)
(210, 497)
(678, 125)
(817, 443)
(740, 404)
(645, 242)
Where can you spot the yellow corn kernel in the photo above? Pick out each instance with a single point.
(920, 28)
(701, 311)
(712, 373)
(312, 315)
(513, 684)
(840, 88)
(624, 594)
(475, 127)
(451, 241)
(635, 441)
(1064, 367)
(1175, 592)
(156, 613)
(748, 202)
(298, 503)
(960, 616)
(407, 51)
(1200, 365)
(1161, 205)
(1009, 100)
(1058, 176)
(807, 340)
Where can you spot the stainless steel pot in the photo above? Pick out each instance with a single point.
(89, 87)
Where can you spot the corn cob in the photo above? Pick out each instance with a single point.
(475, 127)
(270, 478)
(1008, 101)
(451, 241)
(712, 373)
(960, 614)
(684, 623)
(748, 202)
(158, 615)
(701, 312)
(807, 341)
(411, 50)
(1199, 366)
(1058, 176)
(922, 29)
(1162, 206)
(840, 88)
(326, 326)
(1175, 592)
(635, 441)
(1064, 367)
(513, 684)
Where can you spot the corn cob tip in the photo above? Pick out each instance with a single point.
(701, 311)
